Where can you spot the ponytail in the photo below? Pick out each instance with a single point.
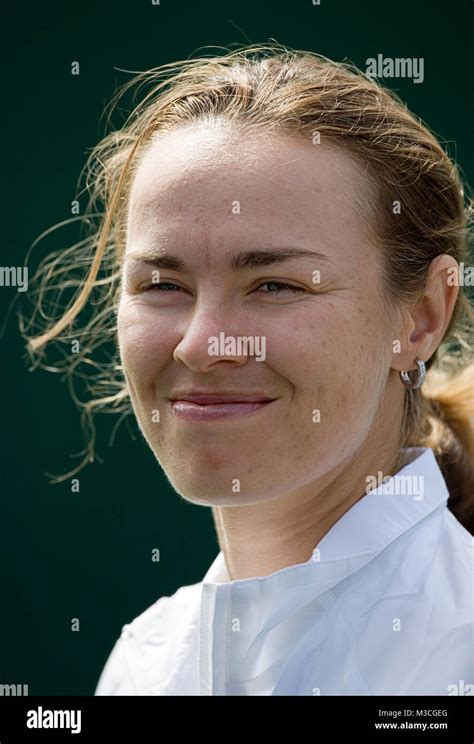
(448, 415)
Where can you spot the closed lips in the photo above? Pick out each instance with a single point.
(208, 399)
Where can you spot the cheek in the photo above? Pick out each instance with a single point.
(145, 344)
(332, 354)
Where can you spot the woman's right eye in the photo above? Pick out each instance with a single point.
(159, 286)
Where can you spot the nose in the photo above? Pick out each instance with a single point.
(207, 341)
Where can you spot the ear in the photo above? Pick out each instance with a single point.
(424, 324)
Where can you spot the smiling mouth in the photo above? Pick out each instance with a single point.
(191, 410)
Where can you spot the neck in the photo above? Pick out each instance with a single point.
(259, 539)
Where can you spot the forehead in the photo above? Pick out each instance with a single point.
(213, 174)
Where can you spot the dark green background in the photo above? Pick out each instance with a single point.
(88, 555)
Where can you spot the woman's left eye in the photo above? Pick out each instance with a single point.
(280, 287)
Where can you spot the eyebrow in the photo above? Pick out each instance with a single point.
(242, 260)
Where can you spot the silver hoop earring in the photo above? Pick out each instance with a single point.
(420, 376)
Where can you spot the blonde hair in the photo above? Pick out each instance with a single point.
(273, 88)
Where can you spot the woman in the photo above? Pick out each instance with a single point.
(280, 254)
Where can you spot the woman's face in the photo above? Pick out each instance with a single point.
(236, 227)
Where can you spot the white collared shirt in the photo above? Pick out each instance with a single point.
(384, 606)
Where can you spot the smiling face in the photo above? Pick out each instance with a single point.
(238, 225)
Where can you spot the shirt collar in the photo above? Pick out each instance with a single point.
(370, 524)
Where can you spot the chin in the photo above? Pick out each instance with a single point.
(215, 492)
